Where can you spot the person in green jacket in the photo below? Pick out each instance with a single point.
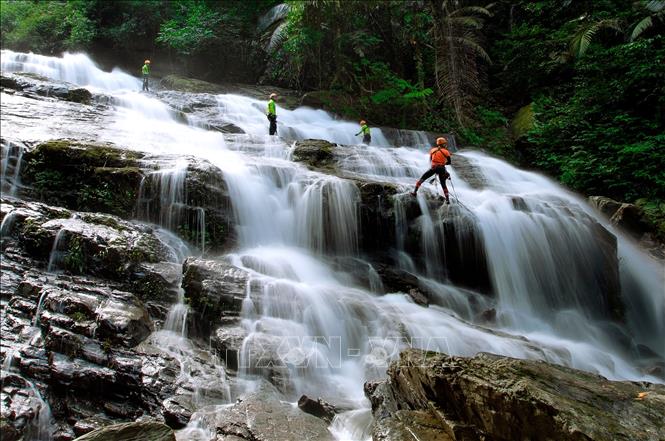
(364, 129)
(146, 73)
(272, 114)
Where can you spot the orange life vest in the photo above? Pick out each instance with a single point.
(438, 156)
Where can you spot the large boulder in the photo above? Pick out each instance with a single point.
(434, 396)
(263, 416)
(315, 153)
(84, 176)
(214, 289)
(138, 431)
(84, 243)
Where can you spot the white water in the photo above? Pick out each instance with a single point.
(332, 335)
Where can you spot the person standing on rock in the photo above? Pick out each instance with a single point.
(439, 157)
(364, 129)
(146, 73)
(272, 114)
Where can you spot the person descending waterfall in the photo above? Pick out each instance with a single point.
(439, 157)
(364, 129)
(272, 114)
(146, 73)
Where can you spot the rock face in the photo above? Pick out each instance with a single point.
(140, 431)
(104, 178)
(629, 217)
(214, 289)
(437, 397)
(81, 329)
(88, 177)
(263, 417)
(38, 85)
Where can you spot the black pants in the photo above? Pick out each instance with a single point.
(440, 171)
(145, 83)
(273, 124)
(367, 139)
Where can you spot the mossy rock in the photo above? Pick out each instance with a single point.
(191, 85)
(86, 177)
(316, 153)
(82, 96)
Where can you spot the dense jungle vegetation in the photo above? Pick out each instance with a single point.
(575, 88)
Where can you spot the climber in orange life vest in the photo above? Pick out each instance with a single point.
(439, 157)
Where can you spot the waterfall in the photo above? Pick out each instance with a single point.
(10, 166)
(542, 250)
(56, 255)
(72, 68)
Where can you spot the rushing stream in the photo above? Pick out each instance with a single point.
(543, 259)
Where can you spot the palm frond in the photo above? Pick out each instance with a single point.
(640, 27)
(655, 6)
(471, 22)
(585, 34)
(471, 10)
(472, 46)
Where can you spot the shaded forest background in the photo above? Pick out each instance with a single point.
(575, 88)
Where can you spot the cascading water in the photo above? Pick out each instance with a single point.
(10, 167)
(541, 249)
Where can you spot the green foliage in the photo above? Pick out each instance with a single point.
(45, 26)
(193, 29)
(74, 260)
(654, 211)
(607, 136)
(78, 316)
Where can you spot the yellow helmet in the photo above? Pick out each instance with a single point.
(273, 95)
(441, 140)
(362, 122)
(147, 61)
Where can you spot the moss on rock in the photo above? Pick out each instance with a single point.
(191, 85)
(87, 177)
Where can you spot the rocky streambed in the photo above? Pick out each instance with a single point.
(125, 308)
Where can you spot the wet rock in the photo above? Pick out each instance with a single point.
(156, 284)
(315, 153)
(82, 96)
(214, 289)
(262, 416)
(177, 411)
(418, 297)
(21, 408)
(138, 431)
(469, 172)
(10, 83)
(203, 216)
(318, 408)
(227, 340)
(226, 128)
(89, 424)
(436, 396)
(191, 85)
(122, 318)
(377, 215)
(488, 316)
(628, 217)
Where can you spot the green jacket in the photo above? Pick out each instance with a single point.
(146, 69)
(364, 129)
(271, 107)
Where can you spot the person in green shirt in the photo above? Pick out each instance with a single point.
(272, 114)
(146, 73)
(364, 129)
